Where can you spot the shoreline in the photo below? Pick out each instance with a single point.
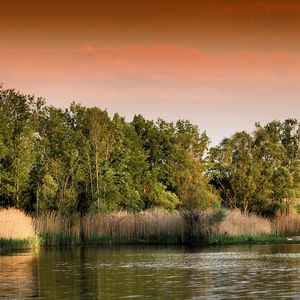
(8, 244)
(157, 227)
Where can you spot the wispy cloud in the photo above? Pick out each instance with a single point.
(170, 81)
(156, 63)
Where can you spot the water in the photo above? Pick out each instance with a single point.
(251, 272)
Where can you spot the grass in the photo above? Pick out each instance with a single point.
(237, 224)
(55, 229)
(149, 227)
(18, 231)
(287, 224)
(240, 228)
(155, 227)
(16, 244)
(14, 224)
(246, 239)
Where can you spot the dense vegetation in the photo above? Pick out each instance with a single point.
(81, 160)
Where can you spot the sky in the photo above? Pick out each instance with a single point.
(222, 64)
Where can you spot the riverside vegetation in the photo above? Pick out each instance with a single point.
(84, 176)
(147, 227)
(16, 230)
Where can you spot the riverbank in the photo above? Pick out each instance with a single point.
(19, 244)
(216, 240)
(248, 239)
(19, 231)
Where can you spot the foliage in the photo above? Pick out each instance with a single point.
(81, 160)
(18, 244)
(260, 172)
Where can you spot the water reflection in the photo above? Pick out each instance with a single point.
(18, 275)
(267, 272)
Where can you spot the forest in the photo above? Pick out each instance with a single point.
(81, 160)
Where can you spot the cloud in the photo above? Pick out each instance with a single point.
(156, 63)
(171, 74)
(221, 93)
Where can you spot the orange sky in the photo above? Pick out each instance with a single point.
(223, 64)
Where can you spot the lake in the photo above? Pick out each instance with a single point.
(256, 272)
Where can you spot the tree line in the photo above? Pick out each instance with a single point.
(82, 160)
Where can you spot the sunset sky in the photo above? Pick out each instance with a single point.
(222, 64)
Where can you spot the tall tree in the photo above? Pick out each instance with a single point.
(17, 153)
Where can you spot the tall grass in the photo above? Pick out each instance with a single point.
(146, 227)
(16, 230)
(239, 228)
(154, 226)
(57, 229)
(149, 227)
(287, 224)
(237, 223)
(14, 224)
(160, 227)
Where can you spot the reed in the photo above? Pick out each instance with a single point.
(57, 229)
(156, 226)
(237, 224)
(239, 228)
(14, 224)
(152, 227)
(287, 224)
(13, 243)
(16, 230)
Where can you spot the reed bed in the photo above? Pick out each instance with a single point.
(14, 224)
(147, 227)
(287, 224)
(57, 229)
(151, 227)
(239, 228)
(236, 224)
(16, 230)
(154, 226)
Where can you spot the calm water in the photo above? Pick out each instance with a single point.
(251, 272)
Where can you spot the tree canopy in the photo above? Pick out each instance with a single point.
(82, 160)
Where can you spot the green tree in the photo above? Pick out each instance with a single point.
(259, 172)
(17, 152)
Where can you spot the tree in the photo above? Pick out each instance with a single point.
(259, 172)
(17, 153)
(233, 171)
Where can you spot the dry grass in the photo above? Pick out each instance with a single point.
(57, 229)
(152, 226)
(236, 224)
(287, 224)
(117, 227)
(14, 224)
(145, 225)
(55, 223)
